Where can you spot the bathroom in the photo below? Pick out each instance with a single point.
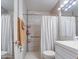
(36, 29)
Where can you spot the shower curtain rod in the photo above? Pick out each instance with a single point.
(38, 14)
(33, 14)
(27, 29)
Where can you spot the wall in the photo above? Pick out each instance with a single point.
(16, 50)
(54, 11)
(18, 12)
(34, 23)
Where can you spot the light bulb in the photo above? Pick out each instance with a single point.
(59, 8)
(66, 1)
(70, 6)
(71, 1)
(66, 9)
(74, 3)
(62, 6)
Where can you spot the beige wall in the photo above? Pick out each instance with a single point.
(54, 11)
(35, 37)
(34, 21)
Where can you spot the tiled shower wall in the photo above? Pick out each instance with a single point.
(34, 38)
(34, 30)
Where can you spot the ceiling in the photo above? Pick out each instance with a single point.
(40, 5)
(32, 5)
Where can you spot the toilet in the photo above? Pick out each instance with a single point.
(49, 54)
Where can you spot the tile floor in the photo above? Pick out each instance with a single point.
(6, 56)
(33, 55)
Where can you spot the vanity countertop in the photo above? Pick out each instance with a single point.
(70, 45)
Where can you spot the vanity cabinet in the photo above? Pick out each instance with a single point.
(66, 50)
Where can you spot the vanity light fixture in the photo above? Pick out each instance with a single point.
(68, 3)
(65, 2)
(74, 3)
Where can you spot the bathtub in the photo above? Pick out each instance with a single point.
(4, 54)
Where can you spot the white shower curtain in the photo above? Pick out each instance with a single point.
(53, 29)
(67, 28)
(6, 34)
(48, 32)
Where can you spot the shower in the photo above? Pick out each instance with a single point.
(33, 24)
